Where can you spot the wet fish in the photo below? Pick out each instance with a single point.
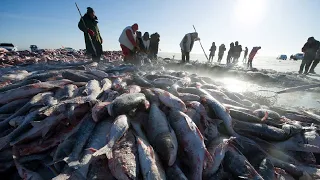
(77, 77)
(68, 91)
(221, 112)
(271, 114)
(239, 165)
(98, 73)
(191, 141)
(261, 130)
(16, 121)
(83, 134)
(29, 90)
(99, 111)
(132, 89)
(159, 135)
(217, 151)
(24, 172)
(175, 173)
(13, 106)
(4, 141)
(124, 163)
(169, 100)
(163, 82)
(149, 161)
(140, 81)
(105, 84)
(296, 143)
(119, 127)
(126, 103)
(19, 84)
(188, 97)
(266, 169)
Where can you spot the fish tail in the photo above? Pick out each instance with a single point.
(266, 115)
(105, 150)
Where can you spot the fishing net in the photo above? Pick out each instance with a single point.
(265, 97)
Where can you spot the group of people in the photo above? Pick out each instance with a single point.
(131, 40)
(311, 50)
(234, 53)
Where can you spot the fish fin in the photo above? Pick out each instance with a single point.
(151, 151)
(199, 133)
(266, 115)
(92, 150)
(228, 110)
(103, 150)
(166, 94)
(208, 159)
(109, 108)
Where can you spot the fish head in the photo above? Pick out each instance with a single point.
(166, 148)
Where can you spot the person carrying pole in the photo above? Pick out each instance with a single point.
(88, 24)
(186, 45)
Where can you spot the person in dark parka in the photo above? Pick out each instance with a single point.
(222, 49)
(230, 53)
(315, 62)
(154, 45)
(245, 55)
(212, 51)
(310, 49)
(92, 29)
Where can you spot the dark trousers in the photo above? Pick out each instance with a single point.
(229, 58)
(98, 47)
(185, 56)
(306, 63)
(250, 63)
(220, 56)
(211, 57)
(314, 64)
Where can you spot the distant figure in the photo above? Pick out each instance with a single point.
(145, 43)
(154, 45)
(128, 42)
(91, 29)
(315, 62)
(245, 55)
(310, 49)
(230, 53)
(251, 55)
(237, 52)
(186, 45)
(173, 57)
(139, 39)
(212, 51)
(222, 49)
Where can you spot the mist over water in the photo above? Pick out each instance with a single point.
(301, 99)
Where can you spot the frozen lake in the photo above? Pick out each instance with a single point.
(300, 99)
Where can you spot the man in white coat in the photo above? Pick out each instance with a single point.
(128, 42)
(186, 45)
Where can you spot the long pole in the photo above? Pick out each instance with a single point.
(201, 45)
(94, 49)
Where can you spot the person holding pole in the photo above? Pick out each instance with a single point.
(88, 24)
(186, 45)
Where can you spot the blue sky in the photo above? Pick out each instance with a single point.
(279, 26)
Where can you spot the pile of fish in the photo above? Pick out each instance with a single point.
(49, 56)
(128, 122)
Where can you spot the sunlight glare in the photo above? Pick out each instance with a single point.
(250, 11)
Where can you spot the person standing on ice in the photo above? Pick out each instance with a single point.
(310, 49)
(237, 52)
(230, 53)
(251, 55)
(154, 45)
(212, 51)
(222, 49)
(245, 55)
(145, 43)
(315, 62)
(139, 39)
(186, 45)
(91, 28)
(128, 42)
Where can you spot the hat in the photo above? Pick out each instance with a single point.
(89, 10)
(135, 26)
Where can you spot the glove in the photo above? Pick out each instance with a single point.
(197, 39)
(137, 48)
(91, 32)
